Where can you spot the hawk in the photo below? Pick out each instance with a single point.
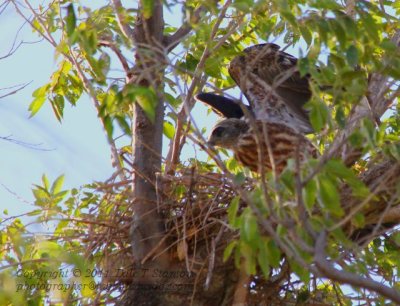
(276, 93)
(277, 142)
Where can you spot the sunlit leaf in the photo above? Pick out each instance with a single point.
(57, 185)
(329, 195)
(148, 7)
(169, 129)
(228, 250)
(70, 20)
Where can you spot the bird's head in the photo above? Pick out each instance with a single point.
(225, 134)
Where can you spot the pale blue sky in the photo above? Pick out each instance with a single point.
(76, 148)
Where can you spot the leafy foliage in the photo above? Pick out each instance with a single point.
(279, 219)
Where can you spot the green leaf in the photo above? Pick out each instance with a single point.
(231, 164)
(70, 20)
(107, 121)
(338, 169)
(243, 5)
(304, 66)
(329, 196)
(273, 253)
(352, 55)
(250, 227)
(41, 91)
(122, 122)
(305, 32)
(249, 258)
(145, 97)
(262, 259)
(301, 271)
(228, 250)
(56, 187)
(46, 247)
(358, 220)
(35, 212)
(370, 26)
(232, 211)
(337, 28)
(57, 104)
(148, 7)
(45, 181)
(318, 115)
(169, 129)
(36, 105)
(239, 178)
(310, 194)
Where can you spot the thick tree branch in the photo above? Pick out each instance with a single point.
(328, 270)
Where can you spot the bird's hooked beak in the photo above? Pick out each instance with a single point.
(210, 142)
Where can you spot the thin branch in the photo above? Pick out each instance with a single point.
(49, 38)
(125, 28)
(119, 54)
(171, 41)
(33, 146)
(22, 86)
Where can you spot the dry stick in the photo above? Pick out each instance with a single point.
(327, 269)
(156, 248)
(211, 262)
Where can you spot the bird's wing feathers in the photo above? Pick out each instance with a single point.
(223, 106)
(277, 70)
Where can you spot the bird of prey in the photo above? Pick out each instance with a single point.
(276, 142)
(276, 93)
(271, 83)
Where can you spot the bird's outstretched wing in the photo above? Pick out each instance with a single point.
(272, 85)
(223, 106)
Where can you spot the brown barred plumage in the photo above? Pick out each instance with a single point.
(284, 142)
(269, 79)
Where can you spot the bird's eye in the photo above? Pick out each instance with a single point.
(218, 131)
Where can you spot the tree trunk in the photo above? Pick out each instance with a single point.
(148, 226)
